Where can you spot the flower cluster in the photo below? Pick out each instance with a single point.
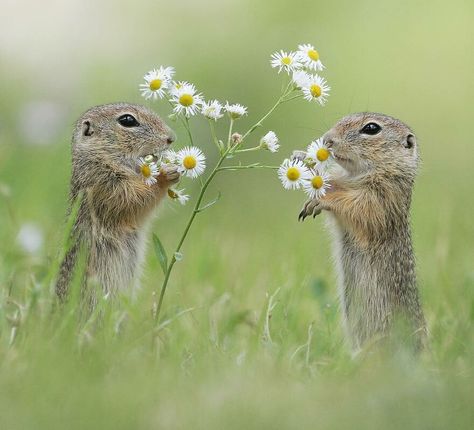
(189, 162)
(301, 65)
(186, 102)
(308, 170)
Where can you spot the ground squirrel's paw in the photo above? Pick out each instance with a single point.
(311, 207)
(298, 155)
(168, 174)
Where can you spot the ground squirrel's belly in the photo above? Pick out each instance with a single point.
(363, 294)
(115, 260)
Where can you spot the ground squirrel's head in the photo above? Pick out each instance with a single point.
(365, 142)
(121, 130)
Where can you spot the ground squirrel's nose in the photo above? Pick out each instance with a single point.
(171, 138)
(328, 140)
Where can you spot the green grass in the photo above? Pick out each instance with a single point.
(220, 363)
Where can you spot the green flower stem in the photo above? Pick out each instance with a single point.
(214, 136)
(255, 148)
(188, 129)
(292, 98)
(196, 210)
(229, 139)
(280, 100)
(250, 166)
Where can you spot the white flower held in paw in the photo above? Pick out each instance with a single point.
(169, 157)
(319, 153)
(287, 61)
(212, 110)
(309, 57)
(191, 161)
(236, 110)
(292, 174)
(316, 89)
(301, 79)
(186, 100)
(270, 142)
(148, 171)
(178, 195)
(317, 185)
(157, 81)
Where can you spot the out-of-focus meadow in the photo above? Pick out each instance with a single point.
(223, 364)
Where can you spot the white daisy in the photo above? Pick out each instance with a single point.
(270, 142)
(169, 157)
(148, 171)
(212, 110)
(157, 81)
(287, 61)
(176, 85)
(309, 57)
(317, 185)
(292, 174)
(301, 78)
(236, 110)
(191, 161)
(186, 100)
(319, 153)
(316, 89)
(178, 195)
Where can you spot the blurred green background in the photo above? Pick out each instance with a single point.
(410, 59)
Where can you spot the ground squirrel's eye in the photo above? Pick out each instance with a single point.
(128, 120)
(371, 128)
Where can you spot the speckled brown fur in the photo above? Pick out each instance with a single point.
(369, 203)
(117, 204)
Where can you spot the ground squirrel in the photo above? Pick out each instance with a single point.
(369, 202)
(116, 203)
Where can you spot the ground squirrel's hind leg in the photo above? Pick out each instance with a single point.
(311, 207)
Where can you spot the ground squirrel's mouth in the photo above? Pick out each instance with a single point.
(339, 158)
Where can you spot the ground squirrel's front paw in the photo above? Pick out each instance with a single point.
(311, 207)
(168, 175)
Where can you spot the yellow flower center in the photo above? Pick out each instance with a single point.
(317, 182)
(315, 90)
(155, 84)
(172, 194)
(313, 54)
(293, 174)
(286, 61)
(322, 154)
(146, 170)
(189, 162)
(186, 100)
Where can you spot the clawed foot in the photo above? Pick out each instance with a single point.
(168, 175)
(311, 207)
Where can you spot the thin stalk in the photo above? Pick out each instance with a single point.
(229, 143)
(255, 148)
(185, 233)
(250, 166)
(188, 129)
(214, 136)
(264, 117)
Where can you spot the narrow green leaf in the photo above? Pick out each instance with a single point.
(160, 253)
(208, 205)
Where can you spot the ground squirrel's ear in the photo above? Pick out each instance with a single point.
(410, 142)
(87, 129)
